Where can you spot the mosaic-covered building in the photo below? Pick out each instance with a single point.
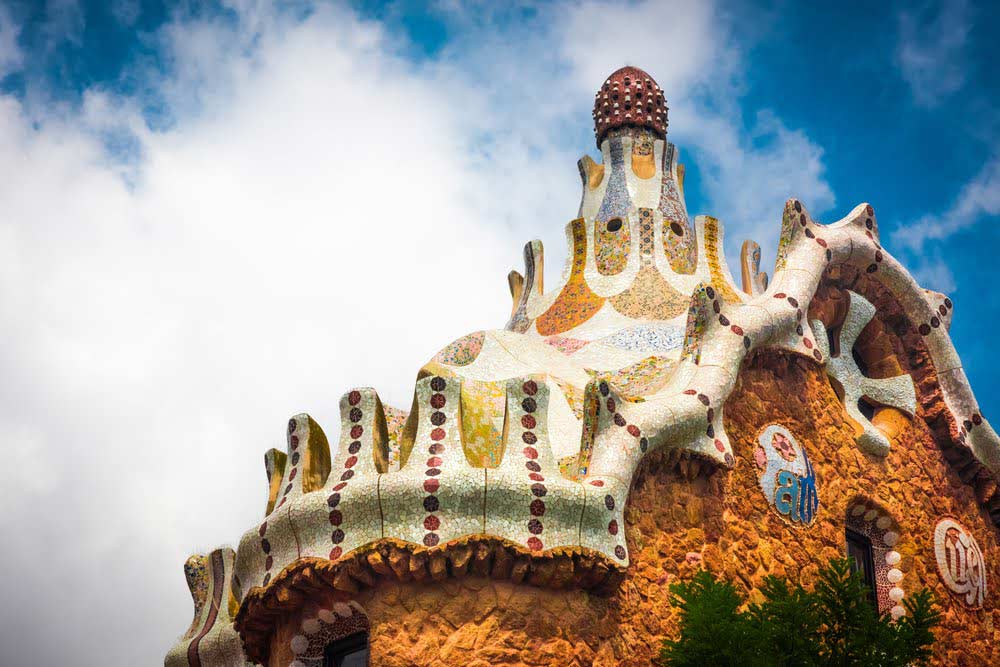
(647, 417)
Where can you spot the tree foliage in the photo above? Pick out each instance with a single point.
(833, 625)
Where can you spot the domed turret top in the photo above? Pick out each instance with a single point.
(629, 97)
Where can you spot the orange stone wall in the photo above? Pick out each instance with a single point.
(718, 520)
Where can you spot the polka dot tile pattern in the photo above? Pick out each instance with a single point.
(527, 499)
(265, 549)
(629, 97)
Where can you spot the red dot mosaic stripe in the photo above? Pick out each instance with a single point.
(870, 232)
(810, 234)
(619, 419)
(432, 470)
(536, 508)
(723, 320)
(936, 320)
(295, 456)
(635, 432)
(354, 416)
(705, 400)
(613, 526)
(974, 420)
(629, 97)
(265, 546)
(800, 328)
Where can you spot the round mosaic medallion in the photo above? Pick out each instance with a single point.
(786, 476)
(960, 562)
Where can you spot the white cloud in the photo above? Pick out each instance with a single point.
(320, 213)
(931, 52)
(978, 198)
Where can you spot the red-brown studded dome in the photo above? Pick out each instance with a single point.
(629, 97)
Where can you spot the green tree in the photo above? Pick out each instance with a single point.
(833, 625)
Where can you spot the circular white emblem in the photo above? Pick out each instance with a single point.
(960, 562)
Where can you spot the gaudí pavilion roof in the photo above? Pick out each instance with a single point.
(518, 451)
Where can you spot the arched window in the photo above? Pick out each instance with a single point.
(334, 637)
(351, 651)
(871, 535)
(862, 557)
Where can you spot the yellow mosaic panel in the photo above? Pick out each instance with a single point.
(576, 303)
(482, 422)
(712, 251)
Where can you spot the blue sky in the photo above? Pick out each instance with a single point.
(187, 187)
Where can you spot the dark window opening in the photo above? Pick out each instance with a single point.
(614, 224)
(351, 651)
(859, 552)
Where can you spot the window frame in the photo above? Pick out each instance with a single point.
(861, 542)
(336, 651)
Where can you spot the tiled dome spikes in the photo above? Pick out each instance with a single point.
(528, 501)
(629, 97)
(364, 434)
(350, 498)
(530, 285)
(307, 459)
(212, 639)
(274, 465)
(196, 573)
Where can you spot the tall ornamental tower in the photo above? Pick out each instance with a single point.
(646, 417)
